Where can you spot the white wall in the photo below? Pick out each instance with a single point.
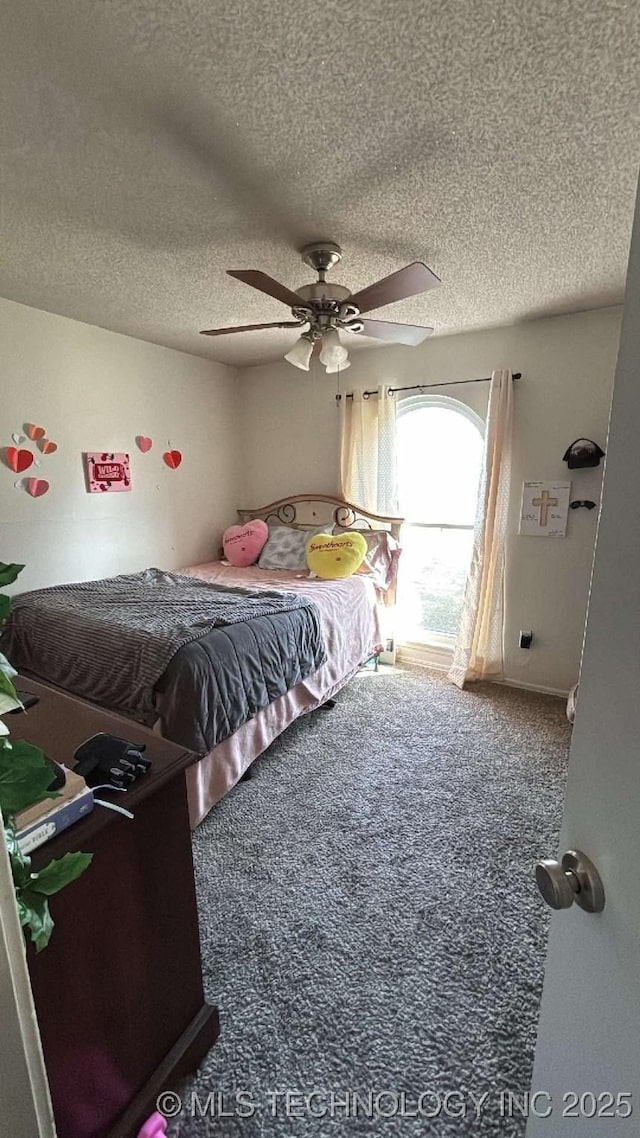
(290, 441)
(93, 390)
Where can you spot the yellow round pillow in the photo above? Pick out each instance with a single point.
(335, 555)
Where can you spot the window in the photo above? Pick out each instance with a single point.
(440, 443)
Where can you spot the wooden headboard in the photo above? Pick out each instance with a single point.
(306, 511)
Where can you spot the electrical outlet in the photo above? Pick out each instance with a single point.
(526, 638)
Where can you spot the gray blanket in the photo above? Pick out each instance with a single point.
(204, 657)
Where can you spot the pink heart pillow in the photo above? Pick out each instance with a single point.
(243, 544)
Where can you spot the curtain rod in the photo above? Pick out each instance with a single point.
(423, 386)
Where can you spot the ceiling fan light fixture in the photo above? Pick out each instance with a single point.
(331, 368)
(300, 354)
(333, 354)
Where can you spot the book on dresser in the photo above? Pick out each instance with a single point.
(45, 819)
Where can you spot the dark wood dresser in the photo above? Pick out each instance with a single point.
(118, 991)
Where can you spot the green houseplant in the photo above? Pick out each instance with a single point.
(24, 778)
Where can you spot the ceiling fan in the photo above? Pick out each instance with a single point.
(327, 308)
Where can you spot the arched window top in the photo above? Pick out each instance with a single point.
(424, 399)
(439, 444)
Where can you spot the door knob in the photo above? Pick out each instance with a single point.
(575, 878)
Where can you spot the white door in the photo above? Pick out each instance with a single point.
(588, 1051)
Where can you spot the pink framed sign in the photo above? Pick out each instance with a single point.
(107, 472)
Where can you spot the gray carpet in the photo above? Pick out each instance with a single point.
(370, 922)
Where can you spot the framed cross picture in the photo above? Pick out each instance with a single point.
(545, 508)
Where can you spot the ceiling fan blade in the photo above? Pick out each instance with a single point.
(410, 281)
(398, 333)
(252, 327)
(265, 283)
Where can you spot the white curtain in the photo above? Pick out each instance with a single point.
(478, 653)
(368, 451)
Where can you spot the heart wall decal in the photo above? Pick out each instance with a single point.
(144, 443)
(46, 446)
(36, 487)
(18, 460)
(33, 432)
(173, 458)
(18, 438)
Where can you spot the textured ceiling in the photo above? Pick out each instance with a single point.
(147, 145)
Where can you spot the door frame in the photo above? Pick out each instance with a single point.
(24, 1090)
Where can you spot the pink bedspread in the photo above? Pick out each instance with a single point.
(351, 628)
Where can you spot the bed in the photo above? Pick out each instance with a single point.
(323, 631)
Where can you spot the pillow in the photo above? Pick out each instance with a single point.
(382, 556)
(243, 544)
(335, 555)
(287, 548)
